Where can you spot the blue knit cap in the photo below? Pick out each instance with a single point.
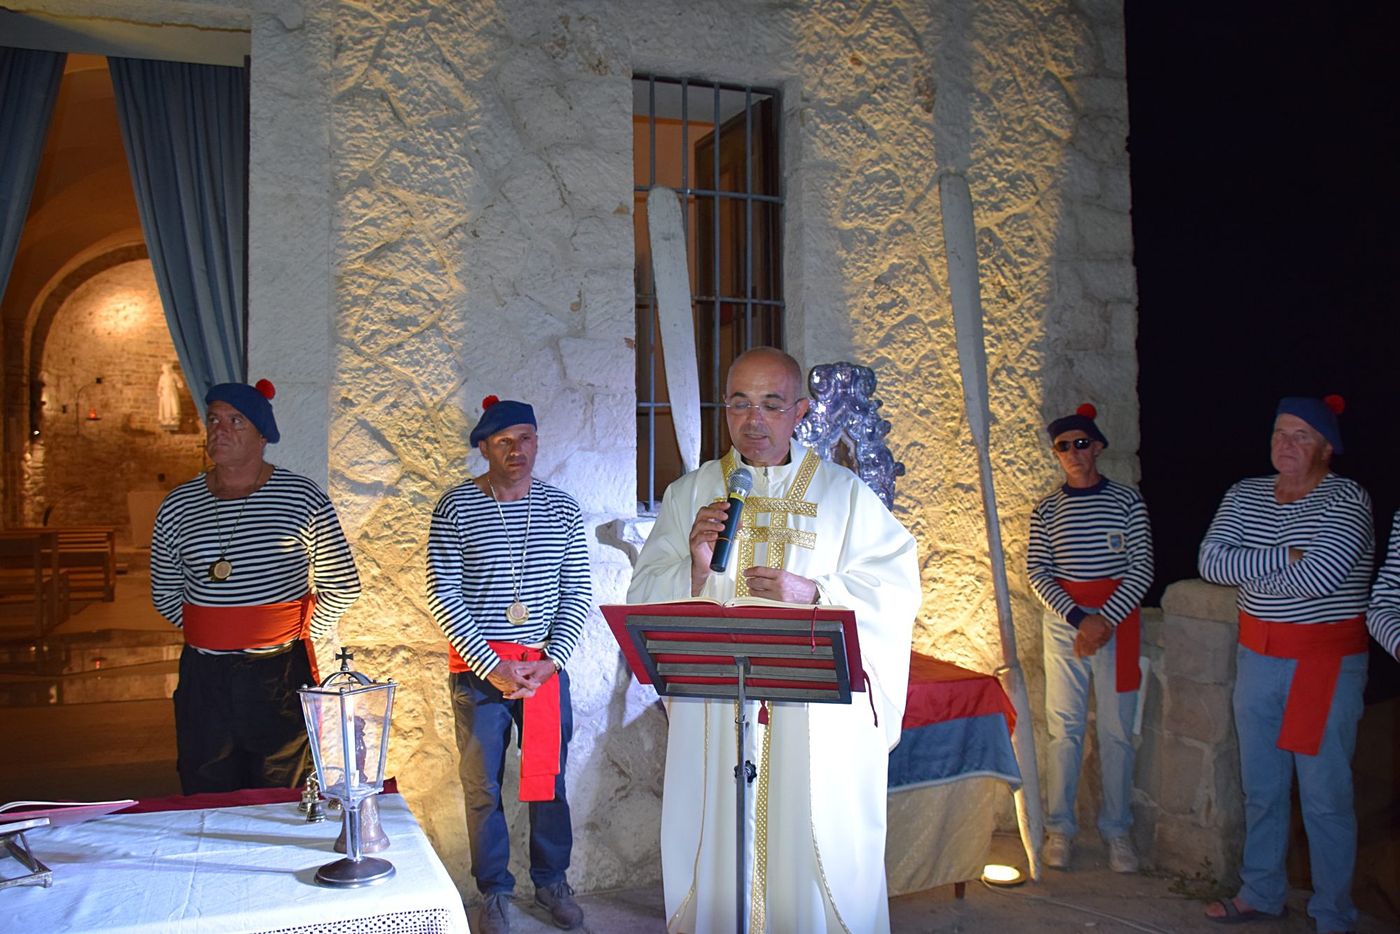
(498, 414)
(253, 402)
(1321, 414)
(1081, 420)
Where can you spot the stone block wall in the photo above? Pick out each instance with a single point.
(1189, 804)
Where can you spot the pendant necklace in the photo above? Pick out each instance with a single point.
(517, 613)
(222, 569)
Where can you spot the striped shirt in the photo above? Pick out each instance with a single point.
(1248, 540)
(475, 563)
(1383, 619)
(1088, 534)
(282, 540)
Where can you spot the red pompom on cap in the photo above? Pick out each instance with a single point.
(1336, 403)
(489, 401)
(265, 387)
(1087, 410)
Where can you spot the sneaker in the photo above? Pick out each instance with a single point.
(494, 915)
(1055, 852)
(558, 900)
(1121, 856)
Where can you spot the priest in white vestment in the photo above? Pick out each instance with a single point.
(812, 533)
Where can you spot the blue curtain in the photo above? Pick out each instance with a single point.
(184, 127)
(28, 86)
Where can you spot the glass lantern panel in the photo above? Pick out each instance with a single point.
(349, 727)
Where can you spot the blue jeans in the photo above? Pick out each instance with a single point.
(1067, 682)
(1324, 788)
(484, 721)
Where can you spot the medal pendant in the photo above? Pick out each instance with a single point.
(517, 613)
(220, 570)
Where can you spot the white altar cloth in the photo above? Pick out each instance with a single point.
(228, 869)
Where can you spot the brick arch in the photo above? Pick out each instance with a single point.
(42, 317)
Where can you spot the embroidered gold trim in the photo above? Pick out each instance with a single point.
(758, 899)
(777, 535)
(798, 507)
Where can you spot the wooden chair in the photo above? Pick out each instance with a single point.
(30, 577)
(88, 554)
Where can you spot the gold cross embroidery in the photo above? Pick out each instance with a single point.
(777, 534)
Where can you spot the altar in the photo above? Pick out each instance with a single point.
(954, 760)
(227, 869)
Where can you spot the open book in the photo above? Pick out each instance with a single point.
(746, 601)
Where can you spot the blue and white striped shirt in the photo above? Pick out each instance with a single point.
(474, 562)
(1248, 540)
(282, 540)
(1383, 619)
(1088, 534)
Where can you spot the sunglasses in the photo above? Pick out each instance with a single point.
(1079, 444)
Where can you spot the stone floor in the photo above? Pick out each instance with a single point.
(103, 727)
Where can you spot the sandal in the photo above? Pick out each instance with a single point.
(1235, 915)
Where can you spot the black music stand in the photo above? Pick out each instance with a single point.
(741, 652)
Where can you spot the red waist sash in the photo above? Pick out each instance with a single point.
(1319, 649)
(539, 728)
(1127, 674)
(235, 628)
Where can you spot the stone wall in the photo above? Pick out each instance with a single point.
(1189, 805)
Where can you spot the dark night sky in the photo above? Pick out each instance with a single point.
(1265, 146)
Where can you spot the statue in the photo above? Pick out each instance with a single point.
(168, 397)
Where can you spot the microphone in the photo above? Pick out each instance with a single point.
(740, 482)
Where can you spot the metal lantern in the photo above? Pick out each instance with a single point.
(347, 720)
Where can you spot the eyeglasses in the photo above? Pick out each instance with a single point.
(765, 409)
(1079, 444)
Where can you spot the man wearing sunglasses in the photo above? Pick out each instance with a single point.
(1090, 562)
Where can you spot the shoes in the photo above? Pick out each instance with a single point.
(1233, 914)
(1055, 853)
(1121, 856)
(494, 915)
(558, 900)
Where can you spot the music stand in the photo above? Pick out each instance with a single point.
(741, 652)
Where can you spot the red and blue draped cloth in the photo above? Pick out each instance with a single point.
(957, 724)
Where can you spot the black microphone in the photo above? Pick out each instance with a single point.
(740, 482)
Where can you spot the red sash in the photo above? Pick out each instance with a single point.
(1127, 674)
(235, 628)
(539, 728)
(1319, 649)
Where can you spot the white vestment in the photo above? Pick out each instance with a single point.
(816, 823)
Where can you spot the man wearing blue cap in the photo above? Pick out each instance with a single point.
(1090, 562)
(250, 561)
(1298, 545)
(508, 583)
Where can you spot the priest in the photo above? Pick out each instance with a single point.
(812, 533)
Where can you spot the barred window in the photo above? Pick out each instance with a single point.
(717, 146)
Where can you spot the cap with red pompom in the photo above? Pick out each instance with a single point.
(1320, 414)
(498, 414)
(252, 401)
(1081, 420)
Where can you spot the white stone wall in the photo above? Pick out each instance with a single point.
(441, 197)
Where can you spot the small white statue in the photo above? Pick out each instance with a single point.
(168, 397)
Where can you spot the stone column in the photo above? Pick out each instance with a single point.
(1189, 763)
